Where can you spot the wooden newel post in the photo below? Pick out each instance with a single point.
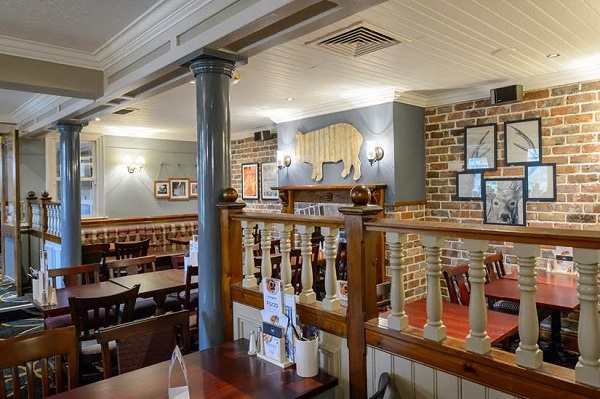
(231, 255)
(30, 198)
(362, 258)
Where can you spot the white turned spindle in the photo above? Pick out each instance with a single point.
(331, 301)
(307, 295)
(478, 340)
(285, 266)
(587, 370)
(398, 319)
(266, 269)
(528, 353)
(248, 241)
(434, 329)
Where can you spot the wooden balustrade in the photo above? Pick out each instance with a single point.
(525, 370)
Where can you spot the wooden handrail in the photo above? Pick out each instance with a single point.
(321, 221)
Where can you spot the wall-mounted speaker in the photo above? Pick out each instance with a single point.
(508, 94)
(262, 135)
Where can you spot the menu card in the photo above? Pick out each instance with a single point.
(177, 376)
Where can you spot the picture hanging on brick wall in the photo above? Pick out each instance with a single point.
(504, 202)
(250, 181)
(269, 179)
(480, 147)
(541, 182)
(468, 186)
(523, 141)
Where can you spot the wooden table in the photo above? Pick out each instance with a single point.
(544, 277)
(456, 319)
(156, 285)
(226, 371)
(557, 298)
(85, 291)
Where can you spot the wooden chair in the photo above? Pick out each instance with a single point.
(177, 261)
(94, 253)
(383, 292)
(49, 347)
(144, 342)
(89, 314)
(132, 249)
(341, 264)
(457, 282)
(129, 266)
(76, 275)
(189, 297)
(494, 264)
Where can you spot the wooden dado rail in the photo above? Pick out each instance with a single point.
(524, 374)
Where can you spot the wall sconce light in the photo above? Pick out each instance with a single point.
(374, 153)
(136, 166)
(283, 161)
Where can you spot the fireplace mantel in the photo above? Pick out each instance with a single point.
(334, 193)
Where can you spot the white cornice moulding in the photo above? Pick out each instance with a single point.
(34, 106)
(47, 52)
(409, 98)
(385, 96)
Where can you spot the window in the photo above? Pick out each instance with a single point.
(91, 172)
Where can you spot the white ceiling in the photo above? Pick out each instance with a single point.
(451, 50)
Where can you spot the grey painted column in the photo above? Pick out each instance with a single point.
(70, 193)
(214, 175)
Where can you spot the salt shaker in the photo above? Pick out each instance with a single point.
(252, 346)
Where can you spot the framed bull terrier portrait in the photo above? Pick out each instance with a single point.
(504, 202)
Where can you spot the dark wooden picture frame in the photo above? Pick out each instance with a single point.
(162, 189)
(469, 185)
(250, 182)
(541, 182)
(480, 149)
(504, 201)
(523, 141)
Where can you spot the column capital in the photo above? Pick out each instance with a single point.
(70, 125)
(213, 61)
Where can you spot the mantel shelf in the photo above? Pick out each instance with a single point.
(325, 193)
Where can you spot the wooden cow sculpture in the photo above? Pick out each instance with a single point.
(339, 142)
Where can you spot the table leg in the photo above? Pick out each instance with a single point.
(160, 304)
(555, 327)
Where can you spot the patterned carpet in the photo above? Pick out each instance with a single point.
(8, 297)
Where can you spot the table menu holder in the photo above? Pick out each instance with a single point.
(177, 373)
(42, 291)
(193, 259)
(273, 339)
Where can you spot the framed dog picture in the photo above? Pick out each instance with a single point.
(504, 202)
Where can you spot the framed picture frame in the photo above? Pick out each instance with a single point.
(162, 189)
(180, 189)
(468, 185)
(250, 181)
(193, 189)
(480, 147)
(541, 182)
(523, 141)
(269, 176)
(504, 202)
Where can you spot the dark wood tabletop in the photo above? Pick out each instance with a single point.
(156, 284)
(544, 277)
(456, 319)
(225, 371)
(547, 295)
(84, 291)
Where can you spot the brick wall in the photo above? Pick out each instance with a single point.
(570, 116)
(248, 151)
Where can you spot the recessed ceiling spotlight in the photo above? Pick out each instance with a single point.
(552, 55)
(97, 119)
(290, 99)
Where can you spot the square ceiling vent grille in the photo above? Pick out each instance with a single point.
(358, 41)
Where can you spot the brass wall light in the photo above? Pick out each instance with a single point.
(374, 152)
(283, 161)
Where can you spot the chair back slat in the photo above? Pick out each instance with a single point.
(132, 249)
(26, 350)
(144, 342)
(94, 253)
(457, 282)
(494, 265)
(76, 275)
(129, 266)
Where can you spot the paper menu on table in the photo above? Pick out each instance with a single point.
(564, 259)
(273, 295)
(290, 311)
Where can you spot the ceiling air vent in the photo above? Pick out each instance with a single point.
(124, 111)
(357, 41)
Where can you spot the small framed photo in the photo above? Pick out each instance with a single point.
(468, 185)
(180, 189)
(269, 177)
(541, 182)
(193, 189)
(523, 141)
(161, 189)
(504, 202)
(250, 181)
(480, 147)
